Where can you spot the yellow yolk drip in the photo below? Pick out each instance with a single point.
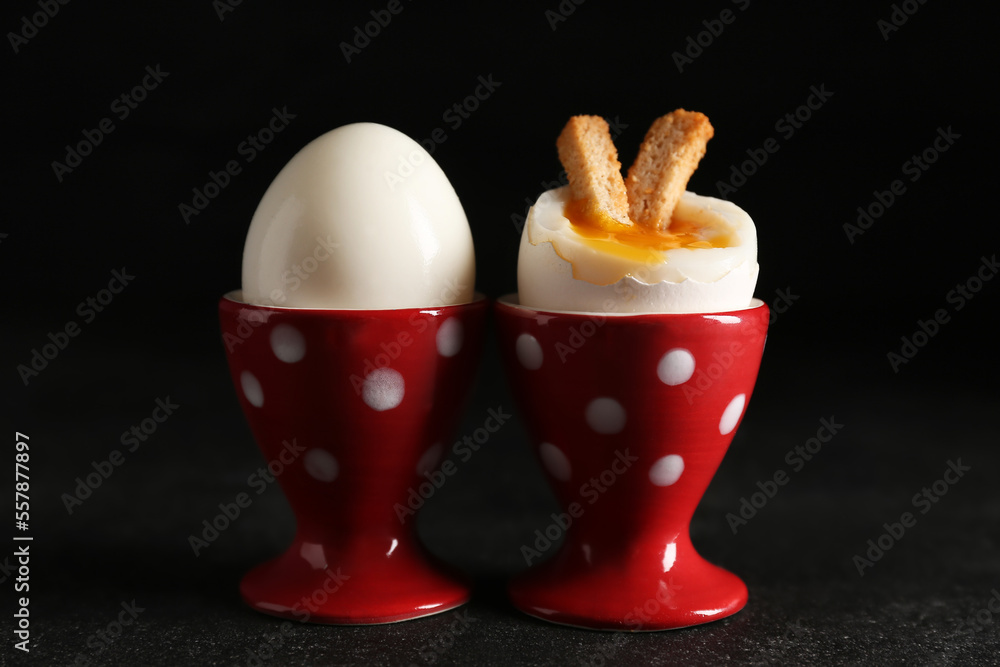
(634, 242)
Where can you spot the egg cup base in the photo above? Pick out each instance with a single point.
(408, 586)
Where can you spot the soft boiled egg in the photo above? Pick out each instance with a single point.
(706, 262)
(360, 218)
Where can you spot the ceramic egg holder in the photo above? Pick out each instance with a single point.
(357, 405)
(631, 416)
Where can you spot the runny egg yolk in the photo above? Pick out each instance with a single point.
(601, 232)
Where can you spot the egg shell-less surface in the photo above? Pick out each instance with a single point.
(361, 218)
(558, 270)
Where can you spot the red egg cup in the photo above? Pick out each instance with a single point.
(631, 416)
(355, 405)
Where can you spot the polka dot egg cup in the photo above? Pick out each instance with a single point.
(631, 416)
(356, 405)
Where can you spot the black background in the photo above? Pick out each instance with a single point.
(826, 356)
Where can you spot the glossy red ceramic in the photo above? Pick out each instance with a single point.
(354, 411)
(631, 416)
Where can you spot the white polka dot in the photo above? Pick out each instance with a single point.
(288, 343)
(383, 389)
(529, 352)
(676, 366)
(251, 389)
(555, 461)
(321, 465)
(606, 415)
(430, 459)
(667, 470)
(449, 337)
(732, 413)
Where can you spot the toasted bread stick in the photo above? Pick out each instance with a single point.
(591, 162)
(669, 155)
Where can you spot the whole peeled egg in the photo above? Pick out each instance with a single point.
(361, 218)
